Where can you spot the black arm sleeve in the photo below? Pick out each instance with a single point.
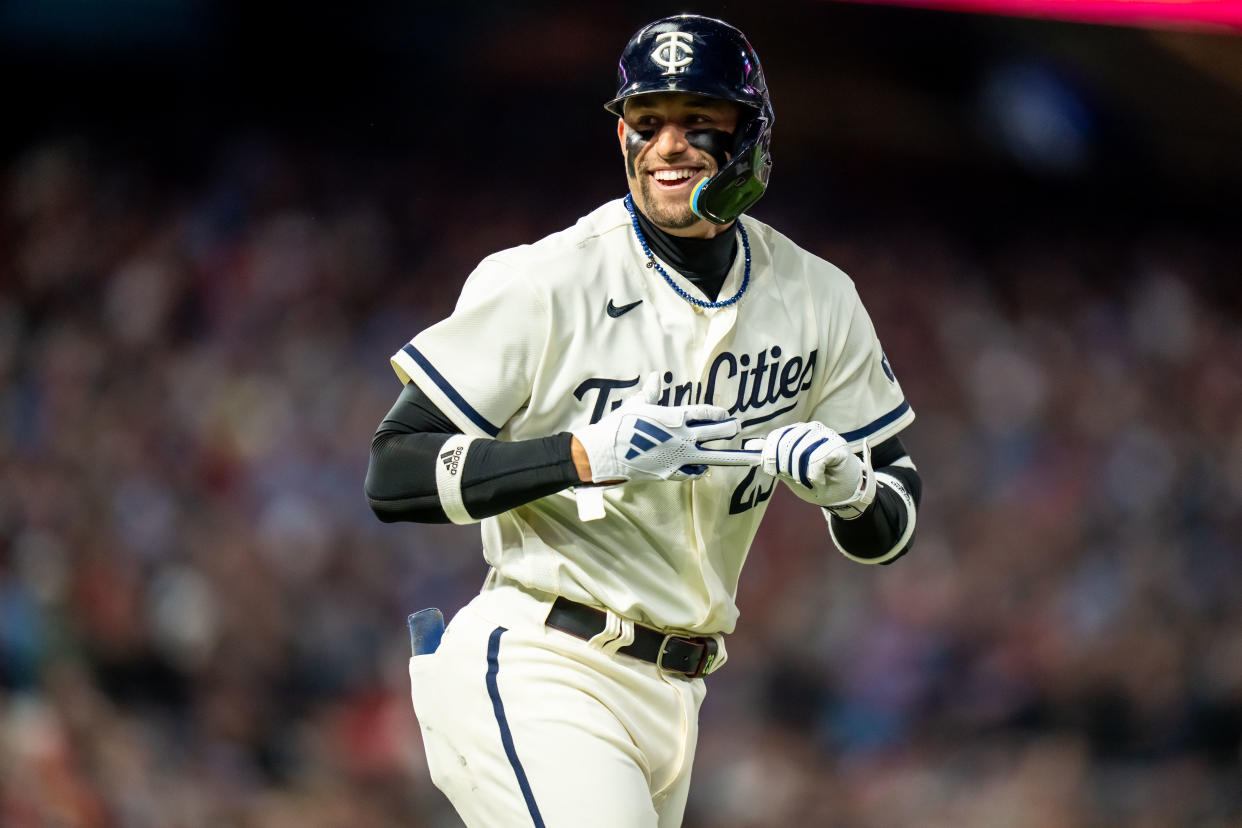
(873, 533)
(401, 477)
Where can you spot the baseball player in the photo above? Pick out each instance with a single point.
(615, 404)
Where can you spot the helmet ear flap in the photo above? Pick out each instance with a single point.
(740, 183)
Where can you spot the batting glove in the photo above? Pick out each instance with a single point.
(815, 462)
(641, 440)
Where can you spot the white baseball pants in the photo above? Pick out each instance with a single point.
(527, 725)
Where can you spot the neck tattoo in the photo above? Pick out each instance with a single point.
(651, 262)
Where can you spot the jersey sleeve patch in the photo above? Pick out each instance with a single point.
(420, 364)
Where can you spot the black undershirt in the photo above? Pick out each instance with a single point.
(705, 262)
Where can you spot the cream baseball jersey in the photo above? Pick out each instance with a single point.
(551, 336)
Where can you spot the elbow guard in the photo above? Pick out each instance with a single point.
(884, 483)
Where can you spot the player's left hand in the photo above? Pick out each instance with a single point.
(815, 462)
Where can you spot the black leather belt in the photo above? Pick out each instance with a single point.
(690, 656)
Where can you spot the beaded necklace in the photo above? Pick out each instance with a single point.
(651, 262)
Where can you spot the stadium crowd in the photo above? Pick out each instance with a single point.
(201, 623)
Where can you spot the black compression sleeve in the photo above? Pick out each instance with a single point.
(874, 533)
(414, 411)
(401, 479)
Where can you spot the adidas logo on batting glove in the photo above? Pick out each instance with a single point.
(642, 440)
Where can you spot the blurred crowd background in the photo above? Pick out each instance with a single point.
(217, 223)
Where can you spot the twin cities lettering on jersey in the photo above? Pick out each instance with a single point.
(739, 383)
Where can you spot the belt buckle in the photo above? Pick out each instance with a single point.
(706, 659)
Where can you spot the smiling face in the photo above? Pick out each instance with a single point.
(671, 141)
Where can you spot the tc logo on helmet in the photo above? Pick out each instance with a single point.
(673, 51)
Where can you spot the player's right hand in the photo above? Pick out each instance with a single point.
(642, 440)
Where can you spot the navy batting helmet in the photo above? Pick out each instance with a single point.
(705, 56)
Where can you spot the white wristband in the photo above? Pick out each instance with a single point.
(450, 464)
(888, 480)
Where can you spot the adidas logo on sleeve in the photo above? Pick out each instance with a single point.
(452, 459)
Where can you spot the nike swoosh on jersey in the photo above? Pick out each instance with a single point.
(615, 311)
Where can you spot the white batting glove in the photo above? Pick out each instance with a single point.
(645, 441)
(816, 464)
